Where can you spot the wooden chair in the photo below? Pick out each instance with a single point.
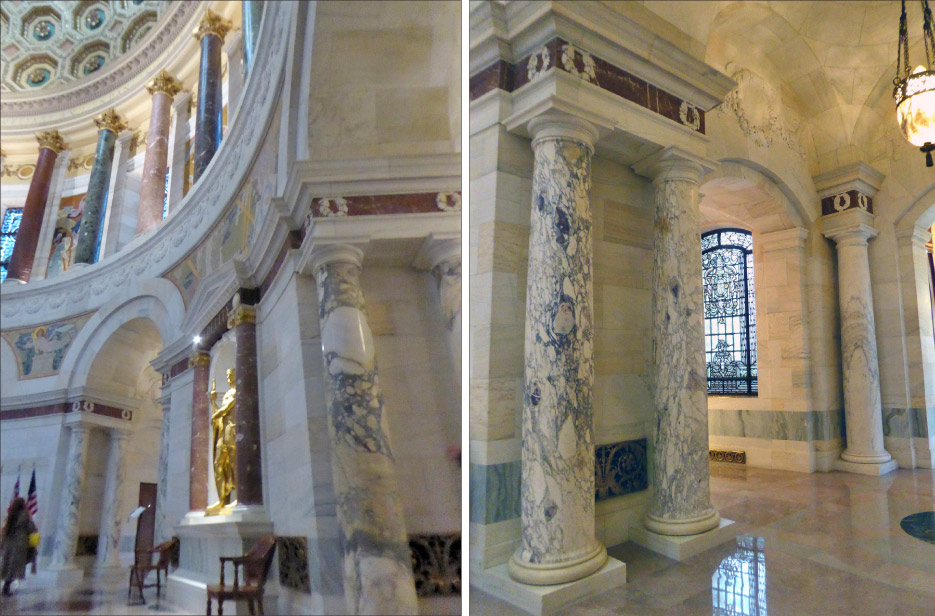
(143, 564)
(256, 564)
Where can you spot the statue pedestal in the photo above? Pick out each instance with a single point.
(203, 539)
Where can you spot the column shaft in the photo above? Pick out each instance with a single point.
(862, 412)
(248, 471)
(63, 553)
(557, 492)
(163, 529)
(27, 238)
(50, 217)
(108, 545)
(177, 143)
(447, 275)
(201, 432)
(208, 119)
(153, 185)
(252, 13)
(681, 502)
(92, 221)
(377, 565)
(115, 212)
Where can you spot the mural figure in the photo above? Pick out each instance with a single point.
(65, 238)
(42, 350)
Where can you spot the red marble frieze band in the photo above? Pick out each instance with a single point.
(60, 408)
(559, 54)
(374, 205)
(852, 199)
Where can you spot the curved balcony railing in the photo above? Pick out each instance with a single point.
(80, 290)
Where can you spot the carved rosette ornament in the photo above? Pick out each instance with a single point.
(212, 23)
(51, 140)
(109, 120)
(164, 82)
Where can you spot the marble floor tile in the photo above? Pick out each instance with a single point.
(832, 545)
(34, 598)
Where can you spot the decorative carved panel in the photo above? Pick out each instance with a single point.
(293, 563)
(436, 563)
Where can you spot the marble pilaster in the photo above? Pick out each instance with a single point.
(27, 238)
(89, 237)
(163, 529)
(851, 230)
(248, 469)
(558, 543)
(681, 502)
(442, 257)
(50, 218)
(155, 163)
(233, 49)
(63, 552)
(178, 138)
(377, 569)
(252, 13)
(211, 32)
(200, 362)
(108, 545)
(115, 203)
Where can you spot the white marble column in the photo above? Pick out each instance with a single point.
(233, 49)
(108, 544)
(851, 230)
(178, 137)
(66, 536)
(681, 500)
(377, 564)
(557, 490)
(163, 528)
(442, 257)
(114, 209)
(50, 217)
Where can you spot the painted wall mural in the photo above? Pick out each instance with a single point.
(65, 237)
(40, 350)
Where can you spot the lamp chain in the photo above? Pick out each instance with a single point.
(902, 49)
(928, 35)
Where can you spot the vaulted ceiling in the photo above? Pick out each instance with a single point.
(50, 43)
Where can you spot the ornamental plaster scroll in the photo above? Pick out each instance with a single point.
(754, 103)
(153, 255)
(127, 68)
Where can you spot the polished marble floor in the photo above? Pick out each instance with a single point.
(826, 544)
(34, 597)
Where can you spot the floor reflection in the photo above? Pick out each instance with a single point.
(738, 586)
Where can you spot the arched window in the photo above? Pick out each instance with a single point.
(729, 312)
(8, 228)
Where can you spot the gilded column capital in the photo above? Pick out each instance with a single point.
(52, 140)
(241, 314)
(164, 82)
(199, 358)
(109, 120)
(212, 23)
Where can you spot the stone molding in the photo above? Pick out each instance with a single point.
(436, 249)
(858, 176)
(553, 125)
(853, 226)
(783, 240)
(674, 163)
(147, 256)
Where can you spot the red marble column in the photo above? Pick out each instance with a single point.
(201, 432)
(153, 186)
(248, 470)
(50, 144)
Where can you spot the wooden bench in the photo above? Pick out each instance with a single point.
(256, 564)
(143, 564)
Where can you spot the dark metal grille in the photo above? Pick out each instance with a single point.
(8, 228)
(729, 312)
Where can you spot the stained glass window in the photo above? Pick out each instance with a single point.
(8, 228)
(729, 312)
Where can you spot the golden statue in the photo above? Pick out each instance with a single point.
(224, 449)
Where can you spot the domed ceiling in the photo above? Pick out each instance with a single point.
(47, 43)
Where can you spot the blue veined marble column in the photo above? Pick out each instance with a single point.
(109, 125)
(211, 31)
(252, 12)
(108, 543)
(66, 537)
(557, 492)
(377, 563)
(681, 502)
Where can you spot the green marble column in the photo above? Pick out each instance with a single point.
(92, 221)
(211, 30)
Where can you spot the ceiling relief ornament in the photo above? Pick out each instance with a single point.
(50, 43)
(753, 103)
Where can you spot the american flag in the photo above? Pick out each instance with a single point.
(32, 500)
(16, 487)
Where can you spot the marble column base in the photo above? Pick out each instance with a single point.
(878, 458)
(558, 573)
(683, 547)
(865, 468)
(688, 526)
(543, 600)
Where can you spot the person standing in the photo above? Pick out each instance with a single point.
(13, 553)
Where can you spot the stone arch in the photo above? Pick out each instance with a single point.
(919, 213)
(155, 300)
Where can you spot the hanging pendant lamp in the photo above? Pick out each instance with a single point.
(915, 92)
